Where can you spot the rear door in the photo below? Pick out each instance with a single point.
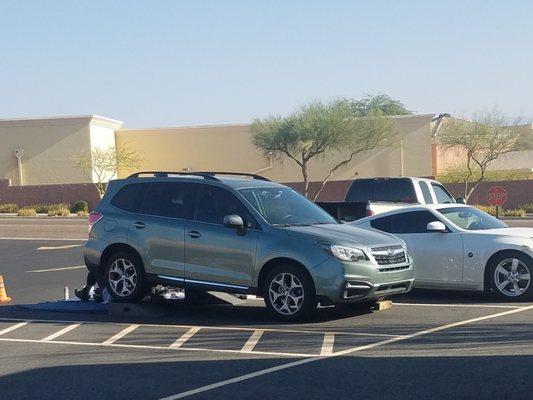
(214, 254)
(437, 256)
(159, 227)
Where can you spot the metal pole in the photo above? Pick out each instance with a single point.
(401, 157)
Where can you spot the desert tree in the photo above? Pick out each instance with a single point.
(102, 164)
(480, 141)
(317, 129)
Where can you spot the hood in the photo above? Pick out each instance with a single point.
(344, 234)
(514, 232)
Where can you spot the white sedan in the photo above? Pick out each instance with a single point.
(455, 246)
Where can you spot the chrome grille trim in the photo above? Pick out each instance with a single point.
(389, 255)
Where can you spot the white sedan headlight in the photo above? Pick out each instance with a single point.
(344, 253)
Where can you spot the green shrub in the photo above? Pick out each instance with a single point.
(488, 209)
(46, 208)
(515, 213)
(8, 208)
(26, 212)
(528, 208)
(59, 212)
(80, 206)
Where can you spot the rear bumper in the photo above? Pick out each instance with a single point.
(92, 253)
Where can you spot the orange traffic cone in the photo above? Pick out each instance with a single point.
(3, 294)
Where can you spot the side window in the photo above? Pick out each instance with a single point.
(426, 193)
(170, 199)
(214, 203)
(129, 197)
(408, 222)
(441, 194)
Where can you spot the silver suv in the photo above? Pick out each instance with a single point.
(237, 233)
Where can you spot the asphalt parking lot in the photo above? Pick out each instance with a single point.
(429, 344)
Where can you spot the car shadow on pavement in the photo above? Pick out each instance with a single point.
(377, 377)
(432, 296)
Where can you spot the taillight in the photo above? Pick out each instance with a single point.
(94, 217)
(369, 212)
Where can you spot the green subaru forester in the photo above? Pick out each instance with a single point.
(237, 233)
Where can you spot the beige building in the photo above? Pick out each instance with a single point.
(40, 151)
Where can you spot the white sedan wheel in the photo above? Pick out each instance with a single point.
(512, 277)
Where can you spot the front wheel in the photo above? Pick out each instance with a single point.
(510, 277)
(289, 293)
(124, 277)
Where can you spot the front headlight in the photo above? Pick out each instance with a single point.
(344, 253)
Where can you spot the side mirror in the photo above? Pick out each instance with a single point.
(460, 200)
(436, 226)
(233, 221)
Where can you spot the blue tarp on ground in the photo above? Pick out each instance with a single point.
(67, 306)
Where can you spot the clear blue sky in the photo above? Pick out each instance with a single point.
(171, 63)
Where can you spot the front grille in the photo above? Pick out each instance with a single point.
(389, 255)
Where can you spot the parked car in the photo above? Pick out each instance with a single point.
(378, 195)
(456, 246)
(208, 231)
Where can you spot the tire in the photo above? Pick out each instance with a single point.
(289, 293)
(129, 286)
(509, 277)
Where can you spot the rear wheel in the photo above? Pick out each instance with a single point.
(509, 276)
(124, 277)
(289, 293)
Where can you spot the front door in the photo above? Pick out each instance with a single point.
(214, 254)
(437, 256)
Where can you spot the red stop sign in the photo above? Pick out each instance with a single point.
(497, 196)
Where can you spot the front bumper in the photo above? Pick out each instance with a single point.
(340, 282)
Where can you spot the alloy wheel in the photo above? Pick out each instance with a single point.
(512, 277)
(286, 293)
(122, 277)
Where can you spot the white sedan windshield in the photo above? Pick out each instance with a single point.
(471, 218)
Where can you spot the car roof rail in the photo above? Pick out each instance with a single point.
(254, 176)
(166, 174)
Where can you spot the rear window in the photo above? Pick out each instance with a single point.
(129, 197)
(390, 190)
(170, 199)
(426, 192)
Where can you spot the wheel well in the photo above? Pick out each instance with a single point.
(275, 262)
(495, 256)
(115, 248)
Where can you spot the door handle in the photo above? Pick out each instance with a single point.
(193, 234)
(139, 225)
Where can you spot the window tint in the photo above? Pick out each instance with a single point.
(426, 193)
(441, 194)
(360, 190)
(392, 190)
(170, 199)
(129, 197)
(214, 203)
(408, 222)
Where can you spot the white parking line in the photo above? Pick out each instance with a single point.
(339, 353)
(12, 328)
(252, 341)
(456, 305)
(183, 338)
(68, 246)
(225, 328)
(121, 334)
(33, 271)
(327, 345)
(40, 239)
(60, 332)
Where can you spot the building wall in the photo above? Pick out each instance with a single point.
(229, 148)
(50, 146)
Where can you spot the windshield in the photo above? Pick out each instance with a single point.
(284, 207)
(471, 218)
